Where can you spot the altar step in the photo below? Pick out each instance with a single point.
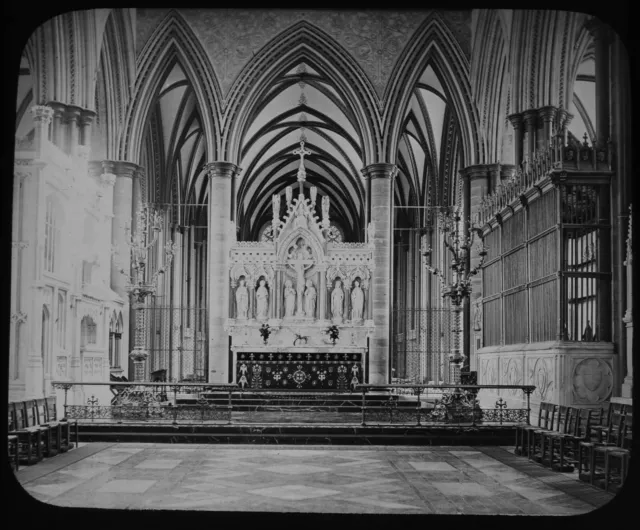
(297, 434)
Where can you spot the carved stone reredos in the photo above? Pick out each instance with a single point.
(300, 219)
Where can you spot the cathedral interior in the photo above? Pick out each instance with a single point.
(235, 197)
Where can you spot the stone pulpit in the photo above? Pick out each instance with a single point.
(300, 280)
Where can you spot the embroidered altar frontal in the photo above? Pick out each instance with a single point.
(299, 371)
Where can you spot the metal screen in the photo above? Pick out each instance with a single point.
(423, 340)
(177, 342)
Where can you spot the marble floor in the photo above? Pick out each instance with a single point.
(325, 479)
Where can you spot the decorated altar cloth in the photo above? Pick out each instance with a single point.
(337, 371)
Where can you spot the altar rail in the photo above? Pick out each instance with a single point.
(190, 403)
(450, 404)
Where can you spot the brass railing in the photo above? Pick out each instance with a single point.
(190, 403)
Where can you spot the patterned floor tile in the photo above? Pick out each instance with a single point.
(294, 469)
(126, 486)
(463, 489)
(294, 493)
(432, 466)
(158, 464)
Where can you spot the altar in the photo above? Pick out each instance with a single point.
(300, 300)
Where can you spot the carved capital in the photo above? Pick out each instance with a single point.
(125, 169)
(87, 117)
(42, 114)
(221, 169)
(516, 120)
(547, 113)
(380, 171)
(72, 114)
(530, 118)
(475, 172)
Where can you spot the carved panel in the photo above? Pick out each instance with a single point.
(540, 374)
(97, 366)
(511, 373)
(592, 381)
(488, 371)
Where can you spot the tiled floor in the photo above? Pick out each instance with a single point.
(330, 479)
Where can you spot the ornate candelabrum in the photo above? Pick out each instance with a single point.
(459, 288)
(140, 282)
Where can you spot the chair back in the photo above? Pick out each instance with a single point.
(615, 411)
(561, 419)
(570, 421)
(547, 415)
(31, 413)
(40, 410)
(627, 430)
(583, 422)
(614, 432)
(20, 413)
(12, 417)
(52, 412)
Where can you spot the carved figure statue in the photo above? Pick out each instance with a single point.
(242, 300)
(310, 296)
(357, 301)
(289, 299)
(262, 301)
(276, 206)
(300, 260)
(371, 232)
(337, 300)
(325, 208)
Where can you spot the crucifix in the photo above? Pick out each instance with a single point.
(300, 260)
(302, 175)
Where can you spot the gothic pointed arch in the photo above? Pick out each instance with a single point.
(433, 44)
(302, 42)
(172, 42)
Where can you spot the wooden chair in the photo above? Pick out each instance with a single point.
(14, 460)
(522, 431)
(545, 423)
(32, 420)
(55, 428)
(564, 435)
(29, 438)
(599, 429)
(557, 426)
(533, 436)
(66, 424)
(580, 434)
(623, 453)
(587, 453)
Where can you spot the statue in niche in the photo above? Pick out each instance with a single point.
(289, 299)
(289, 195)
(262, 301)
(276, 206)
(310, 296)
(242, 300)
(357, 301)
(337, 300)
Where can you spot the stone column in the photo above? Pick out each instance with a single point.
(627, 385)
(494, 177)
(176, 296)
(322, 294)
(86, 119)
(601, 39)
(71, 118)
(122, 208)
(42, 116)
(220, 180)
(57, 130)
(530, 118)
(518, 137)
(547, 116)
(381, 184)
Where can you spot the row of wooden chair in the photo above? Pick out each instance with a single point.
(36, 432)
(568, 437)
(603, 459)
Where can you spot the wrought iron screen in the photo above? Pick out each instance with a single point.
(177, 342)
(423, 340)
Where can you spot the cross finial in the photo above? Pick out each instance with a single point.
(302, 152)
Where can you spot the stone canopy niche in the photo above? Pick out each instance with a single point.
(300, 280)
